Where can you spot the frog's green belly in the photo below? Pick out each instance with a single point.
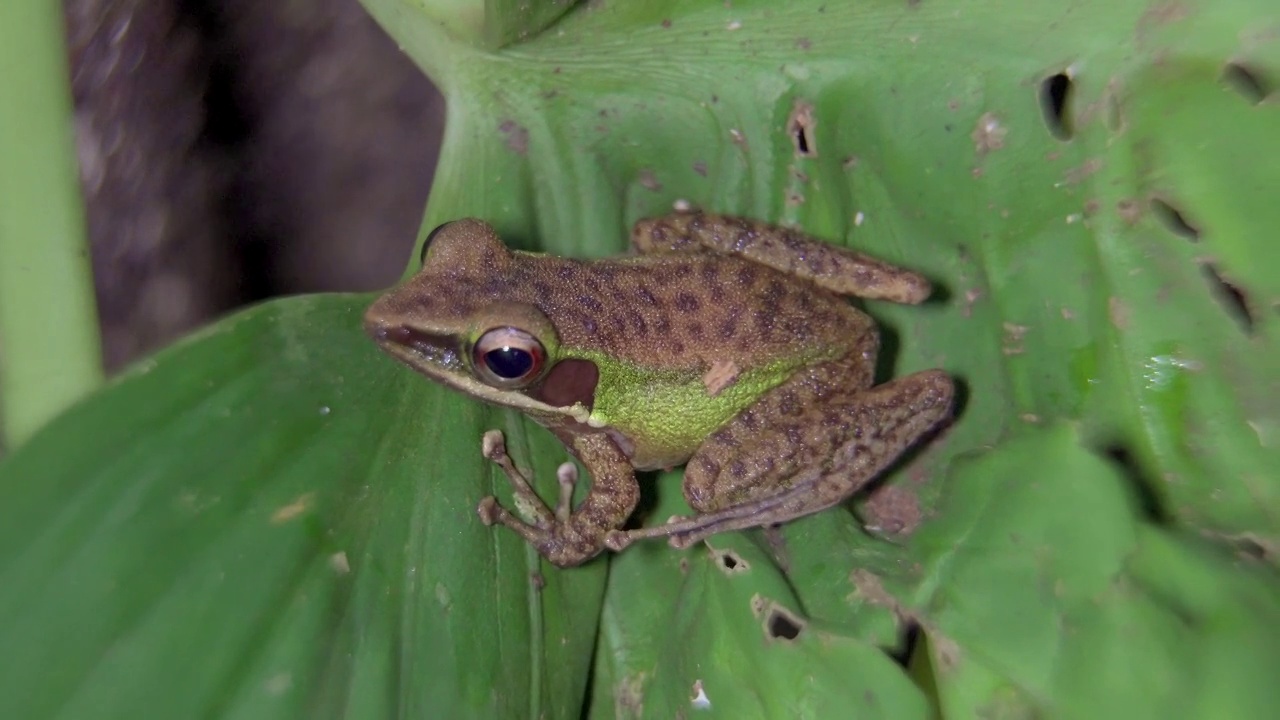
(665, 417)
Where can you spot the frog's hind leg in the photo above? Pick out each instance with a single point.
(748, 475)
(834, 268)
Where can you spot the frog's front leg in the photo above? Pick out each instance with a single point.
(807, 460)
(565, 536)
(840, 270)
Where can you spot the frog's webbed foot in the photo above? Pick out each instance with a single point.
(565, 536)
(527, 501)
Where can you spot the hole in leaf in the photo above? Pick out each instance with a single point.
(781, 625)
(730, 562)
(1231, 297)
(1147, 497)
(800, 126)
(1174, 220)
(1253, 548)
(1246, 82)
(1055, 95)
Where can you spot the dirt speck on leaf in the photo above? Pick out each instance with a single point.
(628, 696)
(1076, 175)
(1013, 334)
(1119, 312)
(649, 181)
(868, 586)
(517, 136)
(278, 684)
(1129, 210)
(1162, 13)
(946, 650)
(339, 563)
(288, 512)
(988, 134)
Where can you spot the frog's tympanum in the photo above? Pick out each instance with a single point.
(722, 343)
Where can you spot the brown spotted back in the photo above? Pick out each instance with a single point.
(685, 309)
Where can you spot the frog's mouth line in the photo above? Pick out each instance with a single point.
(437, 350)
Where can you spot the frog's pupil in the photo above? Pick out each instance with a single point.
(509, 363)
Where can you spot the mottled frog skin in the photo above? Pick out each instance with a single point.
(722, 343)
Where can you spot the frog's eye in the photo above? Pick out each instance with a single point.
(507, 357)
(426, 244)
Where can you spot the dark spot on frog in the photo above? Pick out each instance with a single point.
(687, 303)
(638, 326)
(748, 420)
(592, 283)
(794, 435)
(747, 275)
(788, 403)
(738, 469)
(764, 321)
(569, 381)
(647, 297)
(543, 291)
(566, 272)
(774, 293)
(711, 280)
(589, 325)
(708, 466)
(729, 325)
(676, 347)
(590, 303)
(694, 330)
(662, 323)
(724, 437)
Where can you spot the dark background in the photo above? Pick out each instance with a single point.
(234, 150)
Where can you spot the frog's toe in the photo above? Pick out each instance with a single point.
(490, 511)
(492, 445)
(617, 540)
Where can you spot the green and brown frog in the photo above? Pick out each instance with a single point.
(723, 344)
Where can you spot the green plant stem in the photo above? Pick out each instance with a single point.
(49, 345)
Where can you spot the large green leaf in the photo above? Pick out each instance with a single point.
(272, 519)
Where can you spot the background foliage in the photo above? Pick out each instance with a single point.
(270, 519)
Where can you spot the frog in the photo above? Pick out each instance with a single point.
(721, 343)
